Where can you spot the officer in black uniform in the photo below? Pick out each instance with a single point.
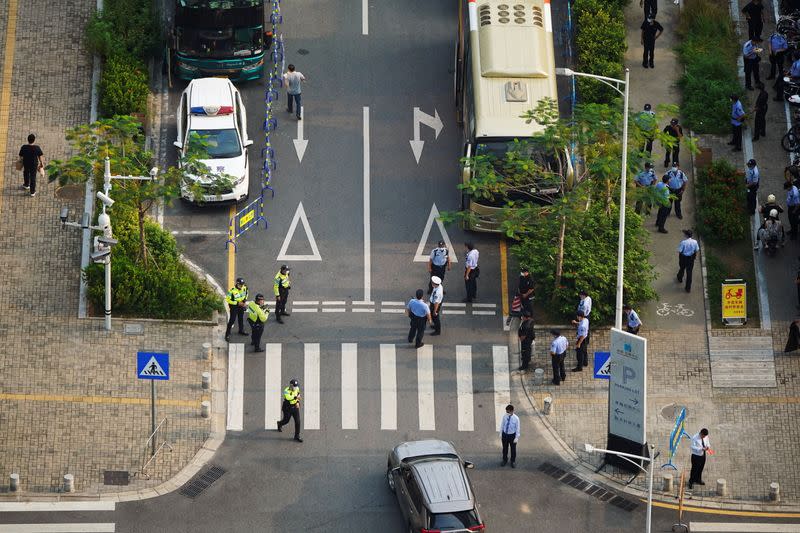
(526, 337)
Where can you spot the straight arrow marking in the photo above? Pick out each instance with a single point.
(300, 144)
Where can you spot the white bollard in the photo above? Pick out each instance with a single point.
(207, 353)
(13, 485)
(667, 482)
(69, 483)
(775, 491)
(205, 408)
(206, 380)
(722, 487)
(538, 376)
(548, 405)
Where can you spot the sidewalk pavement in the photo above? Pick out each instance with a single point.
(69, 398)
(754, 431)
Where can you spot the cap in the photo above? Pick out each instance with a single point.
(259, 296)
(773, 213)
(582, 292)
(441, 244)
(673, 121)
(688, 232)
(751, 163)
(771, 198)
(240, 281)
(555, 332)
(284, 267)
(647, 107)
(436, 280)
(293, 382)
(648, 165)
(626, 306)
(523, 268)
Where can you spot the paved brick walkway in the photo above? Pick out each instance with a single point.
(69, 400)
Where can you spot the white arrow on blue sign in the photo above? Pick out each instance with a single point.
(152, 365)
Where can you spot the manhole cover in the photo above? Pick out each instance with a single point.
(116, 477)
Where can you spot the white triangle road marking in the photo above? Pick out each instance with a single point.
(299, 216)
(420, 256)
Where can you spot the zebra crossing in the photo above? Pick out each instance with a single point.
(57, 507)
(441, 380)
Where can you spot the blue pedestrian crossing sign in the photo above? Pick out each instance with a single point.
(152, 365)
(602, 365)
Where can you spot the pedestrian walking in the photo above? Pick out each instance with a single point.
(526, 338)
(751, 51)
(632, 321)
(509, 435)
(644, 180)
(437, 295)
(751, 180)
(558, 352)
(677, 185)
(257, 314)
(791, 173)
(646, 121)
(664, 203)
(584, 304)
(31, 160)
(525, 289)
(737, 118)
(674, 130)
(651, 30)
(294, 88)
(419, 314)
(650, 8)
(777, 46)
(792, 208)
(754, 13)
(700, 445)
(236, 299)
(687, 253)
(438, 263)
(471, 272)
(761, 107)
(291, 408)
(581, 341)
(793, 340)
(280, 286)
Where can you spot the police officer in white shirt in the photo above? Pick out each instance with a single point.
(436, 304)
(585, 305)
(633, 322)
(700, 445)
(509, 435)
(438, 263)
(558, 352)
(687, 253)
(471, 272)
(581, 341)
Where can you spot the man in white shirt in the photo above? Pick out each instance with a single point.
(558, 351)
(509, 435)
(436, 304)
(581, 341)
(633, 322)
(585, 304)
(471, 272)
(700, 446)
(292, 78)
(687, 253)
(438, 263)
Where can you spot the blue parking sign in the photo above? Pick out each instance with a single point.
(152, 365)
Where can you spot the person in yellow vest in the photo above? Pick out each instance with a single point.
(291, 408)
(281, 285)
(236, 299)
(257, 314)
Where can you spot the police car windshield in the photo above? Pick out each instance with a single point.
(218, 144)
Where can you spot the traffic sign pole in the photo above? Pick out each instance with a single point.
(153, 415)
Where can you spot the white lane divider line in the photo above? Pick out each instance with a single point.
(393, 303)
(304, 310)
(454, 312)
(502, 382)
(388, 387)
(366, 191)
(310, 391)
(71, 527)
(272, 385)
(427, 415)
(393, 310)
(464, 388)
(334, 303)
(492, 306)
(235, 387)
(329, 310)
(305, 302)
(349, 386)
(490, 313)
(363, 310)
(30, 507)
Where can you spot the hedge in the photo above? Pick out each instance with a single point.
(127, 27)
(600, 45)
(123, 86)
(721, 206)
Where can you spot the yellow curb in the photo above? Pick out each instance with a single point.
(5, 93)
(687, 509)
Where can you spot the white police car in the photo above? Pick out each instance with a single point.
(211, 112)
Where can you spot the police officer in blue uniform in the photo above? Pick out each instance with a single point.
(677, 186)
(645, 179)
(777, 51)
(687, 253)
(751, 179)
(438, 263)
(665, 205)
(752, 57)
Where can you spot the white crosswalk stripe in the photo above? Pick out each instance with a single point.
(60, 507)
(467, 375)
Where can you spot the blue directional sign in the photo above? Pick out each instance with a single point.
(152, 365)
(602, 365)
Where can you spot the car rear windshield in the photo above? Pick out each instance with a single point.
(218, 144)
(459, 520)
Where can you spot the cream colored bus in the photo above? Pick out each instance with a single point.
(504, 65)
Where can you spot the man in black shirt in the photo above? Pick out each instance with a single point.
(31, 156)
(526, 337)
(675, 130)
(754, 13)
(525, 289)
(650, 8)
(791, 174)
(762, 103)
(651, 30)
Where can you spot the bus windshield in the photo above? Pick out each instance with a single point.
(219, 43)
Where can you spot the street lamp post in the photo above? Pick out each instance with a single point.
(615, 84)
(630, 458)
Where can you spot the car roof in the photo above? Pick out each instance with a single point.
(211, 92)
(444, 484)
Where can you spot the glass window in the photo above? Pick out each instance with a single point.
(413, 490)
(217, 144)
(460, 520)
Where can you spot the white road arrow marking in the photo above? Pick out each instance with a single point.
(432, 121)
(300, 144)
(420, 256)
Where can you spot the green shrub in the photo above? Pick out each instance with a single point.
(124, 27)
(600, 45)
(164, 288)
(123, 86)
(721, 205)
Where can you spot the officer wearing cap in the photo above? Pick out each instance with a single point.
(651, 30)
(280, 286)
(752, 56)
(257, 314)
(664, 203)
(437, 295)
(526, 338)
(558, 352)
(644, 179)
(236, 299)
(687, 253)
(751, 179)
(646, 121)
(291, 408)
(677, 185)
(525, 289)
(438, 263)
(673, 129)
